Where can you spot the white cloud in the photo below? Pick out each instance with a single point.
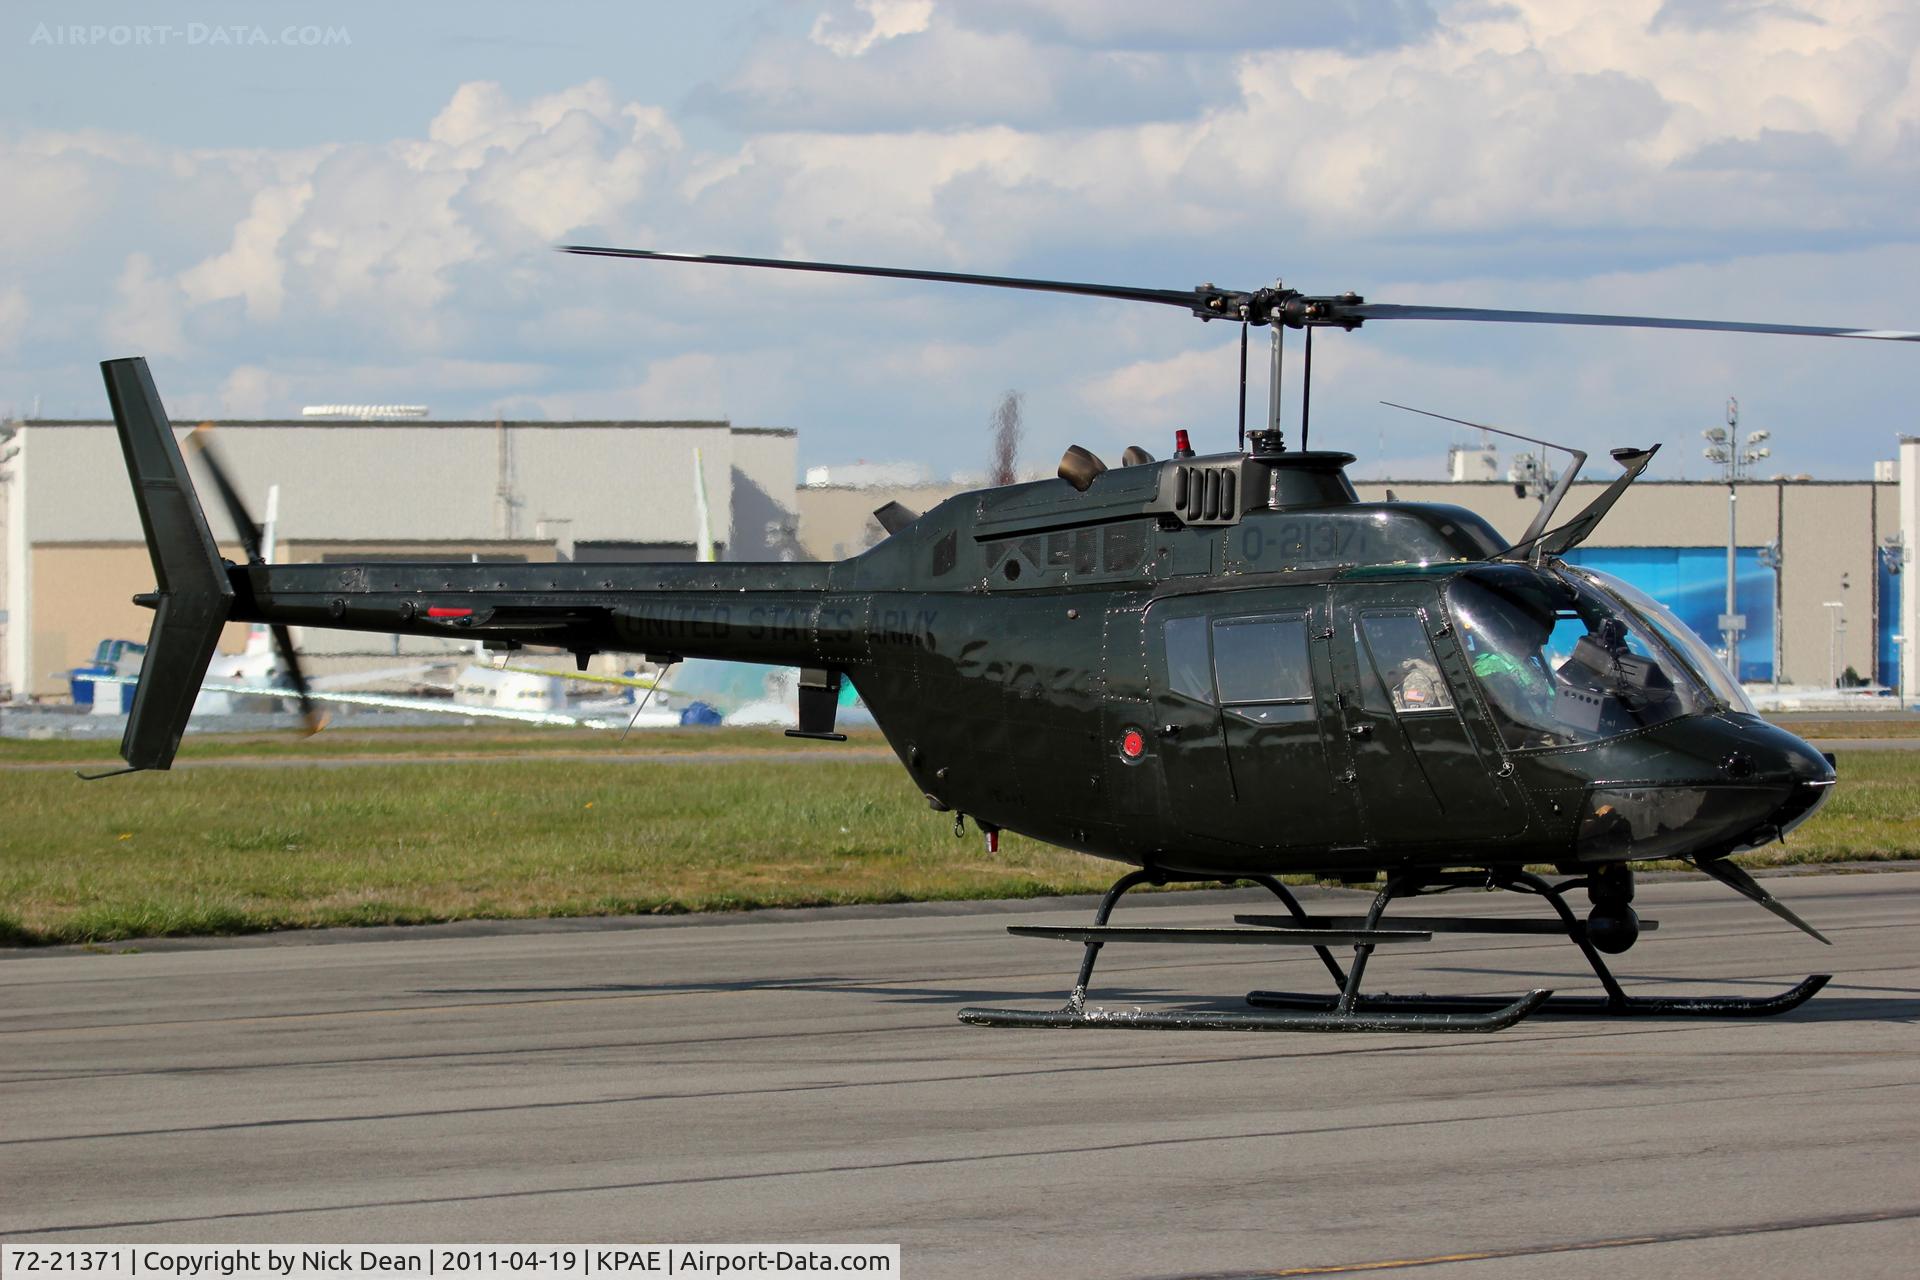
(253, 392)
(1695, 158)
(1164, 392)
(885, 20)
(13, 316)
(1233, 25)
(253, 267)
(145, 314)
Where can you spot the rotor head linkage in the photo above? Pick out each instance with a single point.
(1277, 305)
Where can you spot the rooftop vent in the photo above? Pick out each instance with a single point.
(364, 412)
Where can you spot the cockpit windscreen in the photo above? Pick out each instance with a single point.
(1562, 662)
(1678, 635)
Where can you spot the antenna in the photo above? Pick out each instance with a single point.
(1306, 389)
(1552, 500)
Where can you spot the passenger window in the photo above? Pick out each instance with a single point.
(1187, 659)
(1262, 660)
(1406, 676)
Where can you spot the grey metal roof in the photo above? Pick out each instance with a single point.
(411, 480)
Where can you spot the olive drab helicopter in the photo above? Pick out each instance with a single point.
(1213, 667)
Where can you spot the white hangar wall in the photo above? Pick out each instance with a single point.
(512, 490)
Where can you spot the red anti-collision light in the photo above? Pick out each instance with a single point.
(1133, 744)
(1181, 447)
(437, 611)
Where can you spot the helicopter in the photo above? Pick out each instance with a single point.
(1217, 667)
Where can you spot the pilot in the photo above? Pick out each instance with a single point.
(1514, 666)
(1419, 687)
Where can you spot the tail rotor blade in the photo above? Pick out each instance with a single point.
(1740, 882)
(297, 678)
(200, 440)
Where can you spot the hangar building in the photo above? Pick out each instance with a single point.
(1819, 562)
(357, 490)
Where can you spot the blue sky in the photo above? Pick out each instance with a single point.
(284, 204)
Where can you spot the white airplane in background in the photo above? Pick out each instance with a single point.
(736, 693)
(255, 675)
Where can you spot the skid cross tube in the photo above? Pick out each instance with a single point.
(1297, 929)
(1615, 1003)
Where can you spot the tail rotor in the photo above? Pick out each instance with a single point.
(251, 532)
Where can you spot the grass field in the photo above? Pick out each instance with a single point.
(517, 740)
(224, 850)
(1882, 726)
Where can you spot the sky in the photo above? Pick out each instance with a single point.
(284, 204)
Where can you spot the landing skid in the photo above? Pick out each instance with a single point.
(1493, 1017)
(1297, 929)
(1572, 1006)
(1350, 1009)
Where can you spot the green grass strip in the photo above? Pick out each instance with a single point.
(219, 851)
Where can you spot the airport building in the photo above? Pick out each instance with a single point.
(356, 489)
(1819, 563)
(1818, 571)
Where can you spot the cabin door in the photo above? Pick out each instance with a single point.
(1243, 704)
(1423, 765)
(1190, 736)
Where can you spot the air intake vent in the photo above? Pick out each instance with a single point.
(1207, 494)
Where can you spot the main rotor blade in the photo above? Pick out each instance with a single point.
(1276, 304)
(1187, 298)
(1390, 311)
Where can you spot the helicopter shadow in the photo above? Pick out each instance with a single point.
(894, 993)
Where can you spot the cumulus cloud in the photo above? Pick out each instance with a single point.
(145, 314)
(1527, 153)
(253, 268)
(1164, 392)
(253, 392)
(1723, 15)
(883, 20)
(1230, 25)
(949, 75)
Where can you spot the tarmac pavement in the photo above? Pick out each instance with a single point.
(800, 1076)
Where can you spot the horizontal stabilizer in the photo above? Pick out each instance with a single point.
(819, 705)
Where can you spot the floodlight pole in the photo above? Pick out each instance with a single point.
(1838, 627)
(1732, 630)
(1725, 447)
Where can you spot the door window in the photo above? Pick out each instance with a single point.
(1406, 678)
(1187, 673)
(1262, 660)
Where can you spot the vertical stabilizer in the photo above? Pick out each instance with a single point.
(193, 596)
